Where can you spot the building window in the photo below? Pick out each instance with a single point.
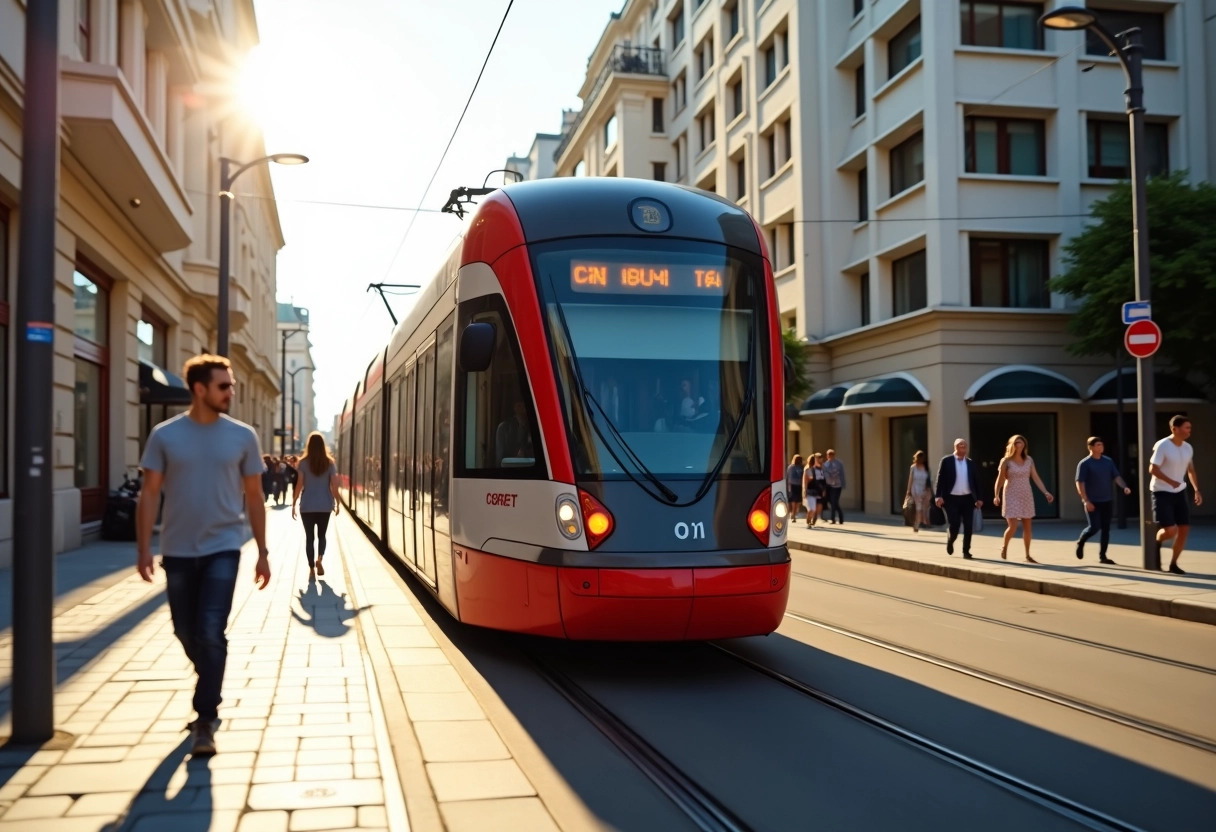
(4, 328)
(770, 153)
(656, 115)
(658, 171)
(740, 178)
(1005, 145)
(91, 326)
(734, 94)
(769, 56)
(787, 139)
(863, 195)
(610, 132)
(677, 26)
(678, 147)
(84, 21)
(1010, 274)
(865, 299)
(1152, 32)
(705, 126)
(1003, 25)
(581, 168)
(732, 20)
(909, 284)
(679, 92)
(859, 91)
(907, 164)
(858, 6)
(705, 57)
(903, 49)
(1109, 157)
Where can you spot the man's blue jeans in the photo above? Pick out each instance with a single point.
(200, 597)
(1099, 521)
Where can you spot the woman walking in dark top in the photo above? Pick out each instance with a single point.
(317, 495)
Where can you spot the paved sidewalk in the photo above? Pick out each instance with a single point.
(886, 541)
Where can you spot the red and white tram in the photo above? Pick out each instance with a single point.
(577, 430)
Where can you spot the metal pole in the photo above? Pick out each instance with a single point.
(221, 290)
(1122, 448)
(1131, 52)
(295, 427)
(282, 393)
(33, 563)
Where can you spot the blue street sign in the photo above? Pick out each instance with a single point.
(1137, 310)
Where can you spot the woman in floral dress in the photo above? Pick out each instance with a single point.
(1013, 492)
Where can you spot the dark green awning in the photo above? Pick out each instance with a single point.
(1022, 385)
(824, 401)
(1167, 387)
(157, 386)
(891, 391)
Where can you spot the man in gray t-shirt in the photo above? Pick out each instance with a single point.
(209, 468)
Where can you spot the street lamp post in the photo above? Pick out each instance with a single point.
(227, 177)
(1074, 18)
(295, 426)
(286, 333)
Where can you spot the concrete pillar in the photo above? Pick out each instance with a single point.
(175, 134)
(156, 94)
(132, 23)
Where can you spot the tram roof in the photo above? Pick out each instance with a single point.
(595, 206)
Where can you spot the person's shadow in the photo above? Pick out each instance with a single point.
(172, 799)
(327, 611)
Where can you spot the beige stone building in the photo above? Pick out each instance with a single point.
(294, 357)
(145, 117)
(916, 167)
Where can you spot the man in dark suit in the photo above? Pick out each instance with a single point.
(958, 490)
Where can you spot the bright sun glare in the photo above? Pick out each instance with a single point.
(256, 85)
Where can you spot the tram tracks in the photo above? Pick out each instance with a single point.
(709, 813)
(1080, 813)
(1082, 642)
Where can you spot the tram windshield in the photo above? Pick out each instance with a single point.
(659, 347)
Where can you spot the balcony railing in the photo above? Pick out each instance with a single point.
(627, 60)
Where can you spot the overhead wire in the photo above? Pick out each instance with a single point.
(451, 139)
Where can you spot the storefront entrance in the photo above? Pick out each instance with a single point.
(909, 434)
(989, 434)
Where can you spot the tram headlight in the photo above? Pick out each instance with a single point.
(781, 514)
(568, 517)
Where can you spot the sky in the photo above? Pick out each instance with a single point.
(370, 91)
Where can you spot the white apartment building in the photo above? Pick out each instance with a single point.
(298, 406)
(917, 166)
(137, 237)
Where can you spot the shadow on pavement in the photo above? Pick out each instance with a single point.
(328, 612)
(177, 797)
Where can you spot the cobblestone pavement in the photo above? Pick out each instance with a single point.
(304, 742)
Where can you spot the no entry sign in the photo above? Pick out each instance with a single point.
(1142, 338)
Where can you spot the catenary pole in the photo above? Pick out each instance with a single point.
(33, 563)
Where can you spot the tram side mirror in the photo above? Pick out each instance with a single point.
(477, 346)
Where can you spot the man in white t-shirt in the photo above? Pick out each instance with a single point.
(1172, 462)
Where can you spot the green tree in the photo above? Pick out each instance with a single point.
(797, 385)
(1182, 245)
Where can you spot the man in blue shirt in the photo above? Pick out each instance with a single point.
(1095, 473)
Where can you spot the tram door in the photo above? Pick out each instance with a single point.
(425, 438)
(409, 418)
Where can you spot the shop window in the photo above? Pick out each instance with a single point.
(91, 352)
(990, 433)
(4, 348)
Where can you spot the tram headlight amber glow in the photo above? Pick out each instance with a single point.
(568, 517)
(597, 519)
(758, 520)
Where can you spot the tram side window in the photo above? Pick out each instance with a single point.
(500, 437)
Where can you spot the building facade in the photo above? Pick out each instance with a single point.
(297, 408)
(917, 168)
(143, 129)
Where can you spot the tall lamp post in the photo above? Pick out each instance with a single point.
(1075, 18)
(227, 177)
(286, 333)
(295, 426)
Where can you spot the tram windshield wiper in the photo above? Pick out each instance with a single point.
(592, 406)
(749, 396)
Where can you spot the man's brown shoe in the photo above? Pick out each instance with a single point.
(203, 734)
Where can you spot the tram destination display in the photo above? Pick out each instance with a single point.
(601, 277)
